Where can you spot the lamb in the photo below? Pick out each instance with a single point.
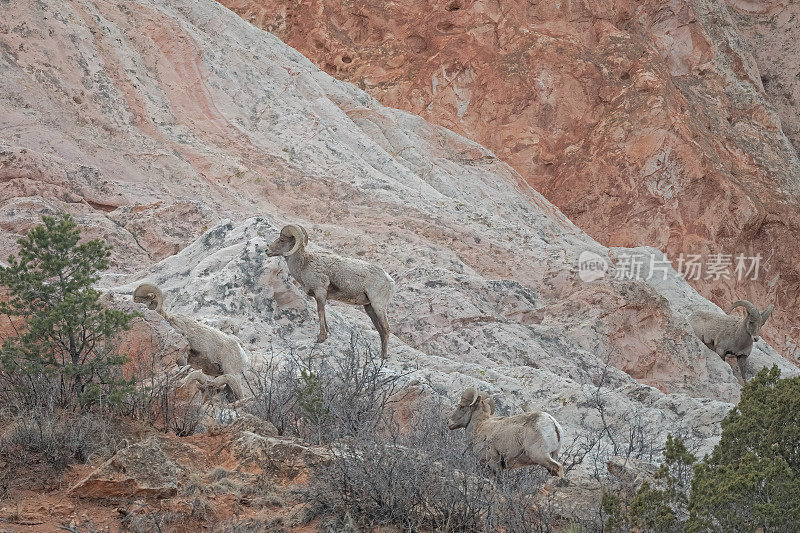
(728, 334)
(216, 353)
(508, 441)
(327, 276)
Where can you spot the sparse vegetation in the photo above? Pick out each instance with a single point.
(61, 355)
(323, 400)
(58, 439)
(421, 478)
(391, 466)
(416, 476)
(750, 482)
(60, 375)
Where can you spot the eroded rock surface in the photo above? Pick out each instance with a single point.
(646, 122)
(175, 124)
(141, 470)
(771, 28)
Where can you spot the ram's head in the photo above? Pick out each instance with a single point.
(755, 319)
(291, 239)
(471, 401)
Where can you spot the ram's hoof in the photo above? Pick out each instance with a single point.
(321, 337)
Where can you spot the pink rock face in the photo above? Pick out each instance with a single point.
(153, 122)
(771, 28)
(646, 123)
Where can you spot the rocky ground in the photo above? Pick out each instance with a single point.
(186, 137)
(669, 124)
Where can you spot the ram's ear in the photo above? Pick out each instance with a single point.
(767, 313)
(486, 407)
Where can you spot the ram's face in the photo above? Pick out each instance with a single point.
(281, 246)
(754, 329)
(149, 299)
(461, 416)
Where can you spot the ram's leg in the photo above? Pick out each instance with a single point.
(548, 461)
(320, 296)
(736, 368)
(555, 468)
(495, 464)
(381, 326)
(384, 332)
(742, 364)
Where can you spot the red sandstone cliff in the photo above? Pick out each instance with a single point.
(646, 123)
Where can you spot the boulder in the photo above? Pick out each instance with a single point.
(141, 470)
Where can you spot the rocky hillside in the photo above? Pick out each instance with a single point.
(187, 137)
(647, 123)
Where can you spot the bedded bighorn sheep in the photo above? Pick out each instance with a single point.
(508, 441)
(327, 276)
(215, 353)
(729, 334)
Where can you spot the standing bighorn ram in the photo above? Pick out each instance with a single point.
(327, 276)
(508, 441)
(216, 353)
(728, 334)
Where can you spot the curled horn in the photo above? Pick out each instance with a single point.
(298, 233)
(149, 294)
(220, 382)
(752, 311)
(469, 397)
(196, 376)
(767, 313)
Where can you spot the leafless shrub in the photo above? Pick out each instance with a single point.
(140, 517)
(425, 478)
(322, 399)
(347, 395)
(161, 399)
(388, 480)
(186, 418)
(418, 477)
(518, 504)
(260, 492)
(55, 439)
(600, 438)
(254, 525)
(5, 480)
(273, 388)
(85, 525)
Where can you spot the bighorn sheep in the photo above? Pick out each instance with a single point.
(327, 276)
(729, 334)
(216, 353)
(509, 441)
